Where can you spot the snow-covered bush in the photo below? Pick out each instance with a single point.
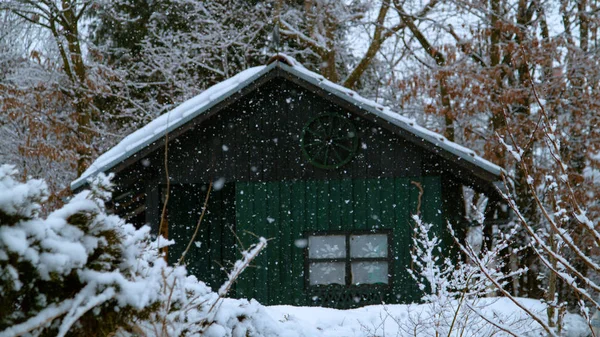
(454, 288)
(78, 270)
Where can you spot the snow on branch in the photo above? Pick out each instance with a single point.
(240, 265)
(77, 249)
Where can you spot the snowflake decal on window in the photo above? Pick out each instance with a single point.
(330, 252)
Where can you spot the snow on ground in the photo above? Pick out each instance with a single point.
(404, 320)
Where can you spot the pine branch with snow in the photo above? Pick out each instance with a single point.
(78, 270)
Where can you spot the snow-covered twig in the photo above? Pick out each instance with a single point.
(77, 311)
(239, 266)
(494, 280)
(193, 238)
(247, 257)
(448, 284)
(491, 321)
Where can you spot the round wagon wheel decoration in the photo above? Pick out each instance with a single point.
(329, 141)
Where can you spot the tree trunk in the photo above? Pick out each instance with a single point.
(82, 104)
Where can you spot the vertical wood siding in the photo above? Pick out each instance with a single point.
(285, 212)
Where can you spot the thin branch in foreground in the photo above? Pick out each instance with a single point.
(247, 257)
(491, 321)
(204, 207)
(475, 259)
(163, 214)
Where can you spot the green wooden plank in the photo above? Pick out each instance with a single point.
(402, 241)
(298, 225)
(286, 243)
(311, 205)
(388, 219)
(261, 229)
(273, 221)
(346, 209)
(322, 205)
(433, 211)
(359, 192)
(227, 234)
(213, 214)
(388, 200)
(373, 203)
(243, 211)
(335, 204)
(249, 238)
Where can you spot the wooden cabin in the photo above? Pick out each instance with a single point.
(329, 177)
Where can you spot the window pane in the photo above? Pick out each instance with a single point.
(370, 245)
(326, 246)
(369, 272)
(327, 273)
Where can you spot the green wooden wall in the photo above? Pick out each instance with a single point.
(214, 248)
(285, 211)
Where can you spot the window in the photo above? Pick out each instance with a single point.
(348, 259)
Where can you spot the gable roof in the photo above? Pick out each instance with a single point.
(211, 97)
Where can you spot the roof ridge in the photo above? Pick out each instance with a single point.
(284, 58)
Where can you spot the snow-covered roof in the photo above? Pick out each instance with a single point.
(212, 96)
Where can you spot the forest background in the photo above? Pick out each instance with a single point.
(517, 81)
